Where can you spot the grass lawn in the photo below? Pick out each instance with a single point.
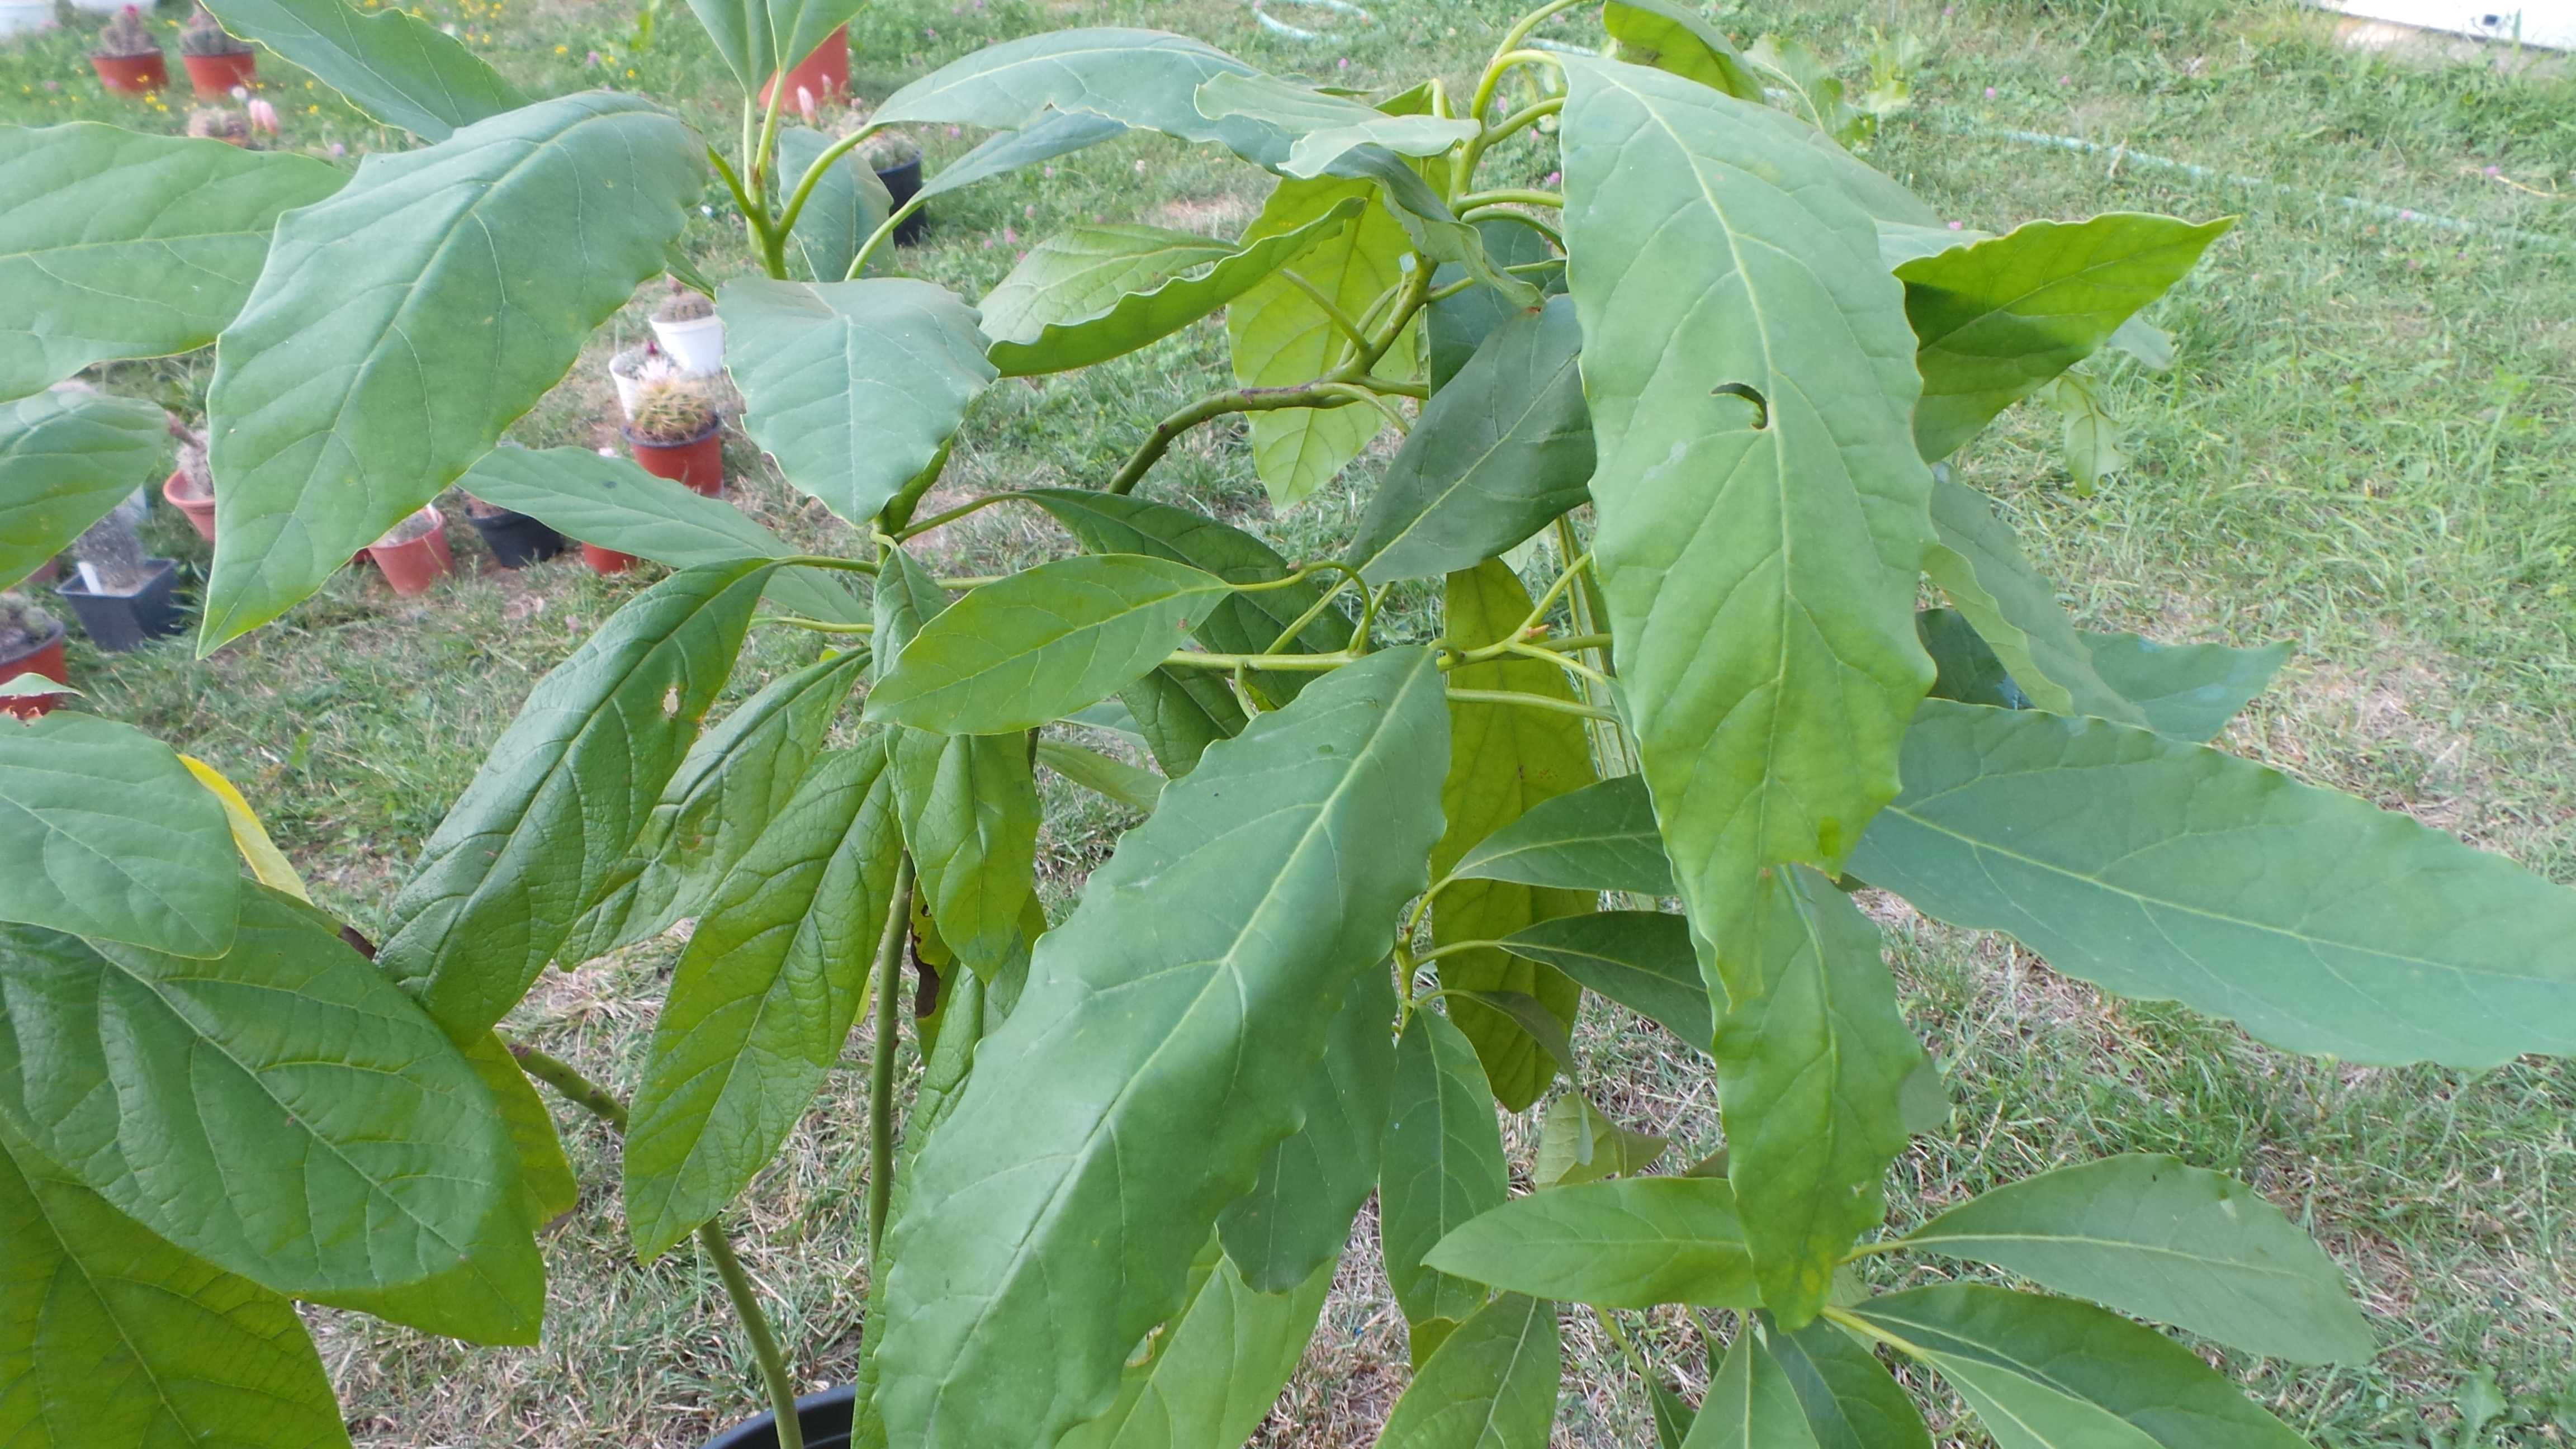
(2365, 447)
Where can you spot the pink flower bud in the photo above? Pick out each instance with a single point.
(263, 116)
(1990, 93)
(805, 106)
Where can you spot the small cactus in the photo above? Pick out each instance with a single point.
(127, 35)
(23, 625)
(684, 305)
(205, 35)
(113, 550)
(193, 464)
(886, 150)
(670, 408)
(219, 123)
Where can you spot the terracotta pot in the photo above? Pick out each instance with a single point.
(606, 560)
(699, 462)
(200, 511)
(45, 659)
(826, 72)
(412, 567)
(133, 75)
(214, 76)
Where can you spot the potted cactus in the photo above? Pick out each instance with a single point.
(689, 330)
(516, 539)
(675, 432)
(216, 61)
(896, 159)
(123, 597)
(128, 59)
(31, 642)
(414, 553)
(219, 123)
(190, 488)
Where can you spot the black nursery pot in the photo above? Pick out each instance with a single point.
(116, 622)
(825, 1418)
(901, 182)
(516, 540)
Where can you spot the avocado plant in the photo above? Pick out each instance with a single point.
(1388, 853)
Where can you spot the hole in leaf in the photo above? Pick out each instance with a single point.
(1751, 394)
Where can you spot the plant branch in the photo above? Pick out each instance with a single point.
(884, 232)
(827, 561)
(1509, 196)
(1333, 313)
(1530, 701)
(814, 174)
(1216, 405)
(1505, 60)
(881, 1055)
(941, 520)
(751, 217)
(814, 626)
(569, 1083)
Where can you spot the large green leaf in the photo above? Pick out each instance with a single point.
(1281, 338)
(2177, 1244)
(1051, 133)
(1040, 644)
(402, 323)
(1215, 1370)
(110, 1336)
(116, 245)
(563, 795)
(1326, 126)
(2168, 871)
(66, 458)
(1147, 78)
(1455, 326)
(2000, 317)
(762, 1000)
(2051, 1373)
(1153, 1059)
(398, 67)
(1672, 36)
(105, 834)
(1642, 960)
(759, 38)
(1490, 1385)
(1762, 511)
(1978, 563)
(1599, 838)
(854, 387)
(1811, 1055)
(615, 504)
(2186, 691)
(1752, 1403)
(1443, 1167)
(1503, 760)
(1501, 449)
(847, 203)
(1092, 293)
(1850, 1399)
(727, 789)
(1180, 712)
(1297, 1218)
(545, 1174)
(340, 1145)
(1627, 1243)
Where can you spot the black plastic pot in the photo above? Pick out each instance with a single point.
(825, 1418)
(117, 622)
(901, 182)
(516, 540)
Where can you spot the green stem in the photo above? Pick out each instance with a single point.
(1332, 311)
(1530, 701)
(1217, 405)
(813, 626)
(884, 232)
(963, 510)
(881, 1058)
(827, 561)
(751, 218)
(1453, 948)
(1509, 196)
(815, 173)
(568, 1082)
(1501, 131)
(1508, 58)
(1306, 663)
(1357, 393)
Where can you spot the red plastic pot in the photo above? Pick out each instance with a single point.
(132, 74)
(699, 462)
(45, 659)
(412, 567)
(200, 511)
(606, 560)
(215, 76)
(825, 73)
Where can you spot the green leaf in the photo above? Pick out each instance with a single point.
(1850, 1399)
(1326, 126)
(1043, 643)
(403, 323)
(1091, 293)
(1504, 760)
(2051, 1373)
(342, 1145)
(1642, 960)
(2143, 340)
(854, 387)
(1146, 78)
(1281, 338)
(397, 67)
(1499, 451)
(1443, 1166)
(545, 1174)
(495, 1296)
(847, 203)
(1455, 326)
(1969, 672)
(1051, 133)
(1671, 36)
(108, 1335)
(2151, 1236)
(114, 245)
(563, 795)
(1599, 838)
(615, 504)
(2166, 871)
(759, 38)
(969, 807)
(1114, 779)
(1814, 94)
(1490, 1385)
(2000, 317)
(1673, 1414)
(1810, 1058)
(762, 1000)
(1751, 1403)
(2186, 691)
(1297, 1218)
(1179, 713)
(1629, 1243)
(2092, 436)
(1980, 566)
(1216, 1369)
(66, 459)
(727, 789)
(1758, 554)
(1577, 1144)
(104, 833)
(1153, 1059)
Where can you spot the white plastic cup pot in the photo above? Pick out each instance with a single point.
(697, 344)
